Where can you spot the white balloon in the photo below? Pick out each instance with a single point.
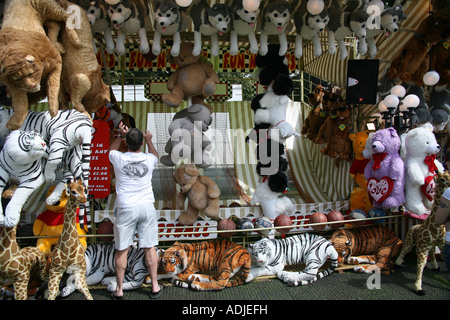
(315, 6)
(251, 5)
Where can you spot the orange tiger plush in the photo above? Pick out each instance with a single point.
(224, 258)
(375, 245)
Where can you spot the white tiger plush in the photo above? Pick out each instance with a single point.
(270, 256)
(22, 163)
(100, 263)
(68, 130)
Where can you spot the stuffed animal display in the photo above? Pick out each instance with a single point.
(333, 102)
(201, 192)
(187, 138)
(375, 245)
(271, 256)
(317, 115)
(182, 261)
(193, 78)
(244, 24)
(419, 155)
(385, 173)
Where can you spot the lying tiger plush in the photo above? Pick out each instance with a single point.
(270, 256)
(181, 261)
(375, 245)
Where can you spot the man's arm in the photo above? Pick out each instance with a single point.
(115, 145)
(151, 148)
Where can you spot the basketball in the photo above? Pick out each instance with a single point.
(283, 220)
(333, 216)
(318, 217)
(263, 222)
(244, 223)
(226, 224)
(106, 227)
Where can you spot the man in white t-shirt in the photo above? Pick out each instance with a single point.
(134, 209)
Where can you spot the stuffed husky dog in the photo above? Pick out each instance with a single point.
(209, 21)
(129, 16)
(308, 26)
(343, 24)
(98, 17)
(169, 19)
(276, 20)
(244, 23)
(389, 23)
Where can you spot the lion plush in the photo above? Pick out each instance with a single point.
(413, 61)
(50, 223)
(31, 70)
(193, 78)
(81, 76)
(202, 194)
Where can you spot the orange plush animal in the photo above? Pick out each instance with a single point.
(359, 162)
(50, 223)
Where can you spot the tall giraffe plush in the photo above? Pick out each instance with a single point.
(426, 236)
(17, 264)
(68, 251)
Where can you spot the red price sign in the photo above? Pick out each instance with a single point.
(99, 177)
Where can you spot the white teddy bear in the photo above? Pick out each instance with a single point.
(419, 155)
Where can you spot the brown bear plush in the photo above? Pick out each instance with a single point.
(193, 78)
(333, 101)
(202, 194)
(339, 145)
(317, 115)
(413, 60)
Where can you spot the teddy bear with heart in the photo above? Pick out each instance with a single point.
(419, 155)
(385, 173)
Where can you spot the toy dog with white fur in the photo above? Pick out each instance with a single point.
(244, 23)
(209, 21)
(98, 17)
(308, 26)
(169, 19)
(127, 17)
(389, 23)
(276, 20)
(343, 24)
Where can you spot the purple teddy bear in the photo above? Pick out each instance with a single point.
(385, 172)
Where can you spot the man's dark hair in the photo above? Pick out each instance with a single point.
(134, 139)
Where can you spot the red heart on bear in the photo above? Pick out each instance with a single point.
(428, 188)
(380, 190)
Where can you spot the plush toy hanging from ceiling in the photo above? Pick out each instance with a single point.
(169, 20)
(209, 21)
(99, 20)
(30, 65)
(419, 155)
(343, 24)
(244, 24)
(333, 102)
(389, 22)
(308, 26)
(50, 223)
(317, 115)
(194, 78)
(128, 17)
(413, 61)
(385, 173)
(81, 77)
(275, 19)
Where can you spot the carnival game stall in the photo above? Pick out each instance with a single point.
(302, 124)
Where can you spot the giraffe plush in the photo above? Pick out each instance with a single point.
(17, 264)
(426, 236)
(68, 251)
